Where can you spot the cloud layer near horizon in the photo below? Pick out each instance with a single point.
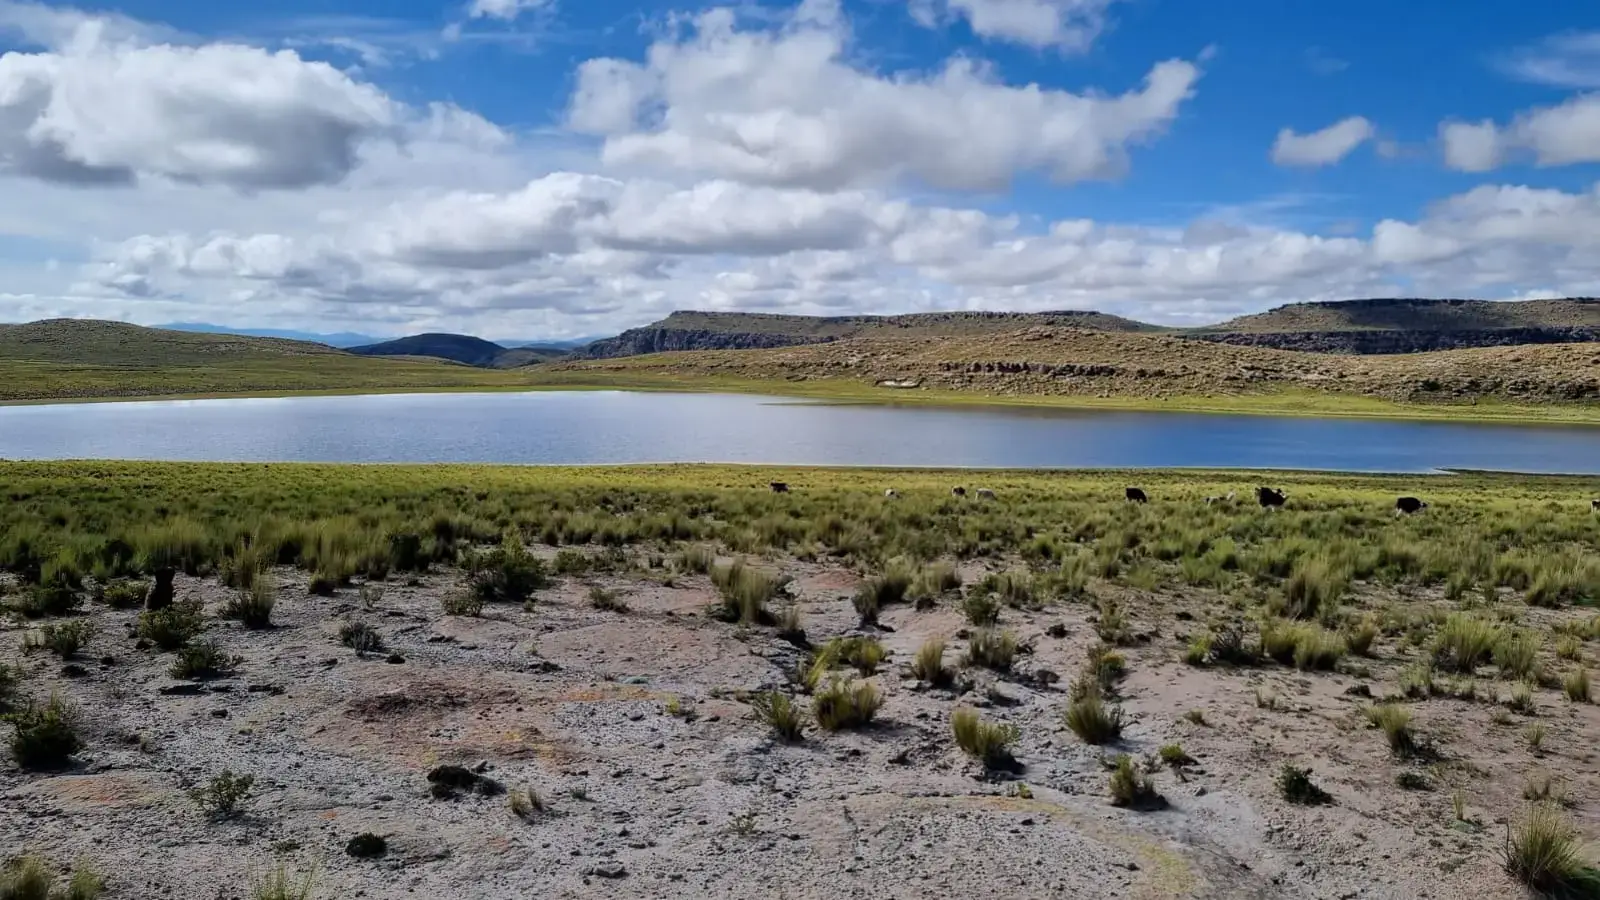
(734, 165)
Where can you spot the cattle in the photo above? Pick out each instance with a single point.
(1270, 498)
(1594, 504)
(985, 494)
(779, 487)
(1213, 501)
(1409, 505)
(1135, 495)
(891, 494)
(958, 492)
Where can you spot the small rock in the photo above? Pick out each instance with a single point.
(183, 690)
(1358, 690)
(609, 869)
(1133, 866)
(1058, 630)
(273, 689)
(394, 659)
(219, 714)
(1201, 791)
(481, 767)
(73, 670)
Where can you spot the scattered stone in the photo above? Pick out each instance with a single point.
(219, 714)
(394, 659)
(1358, 690)
(1058, 630)
(183, 690)
(73, 670)
(608, 869)
(366, 845)
(273, 689)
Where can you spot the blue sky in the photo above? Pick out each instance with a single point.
(485, 169)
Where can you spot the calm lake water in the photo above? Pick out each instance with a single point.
(622, 427)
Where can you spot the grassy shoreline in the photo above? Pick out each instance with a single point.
(1283, 404)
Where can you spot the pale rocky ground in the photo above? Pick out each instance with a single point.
(572, 702)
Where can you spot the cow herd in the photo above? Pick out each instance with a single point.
(1268, 498)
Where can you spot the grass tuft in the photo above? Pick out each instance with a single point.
(44, 737)
(1295, 785)
(1093, 721)
(781, 715)
(1131, 788)
(984, 741)
(845, 704)
(992, 649)
(1543, 852)
(928, 665)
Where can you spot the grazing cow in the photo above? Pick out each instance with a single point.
(1594, 504)
(1409, 505)
(1135, 495)
(1213, 501)
(985, 494)
(891, 494)
(780, 487)
(1270, 498)
(958, 492)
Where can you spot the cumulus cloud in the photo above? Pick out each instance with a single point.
(104, 106)
(1322, 148)
(598, 249)
(785, 107)
(1070, 25)
(1551, 136)
(505, 10)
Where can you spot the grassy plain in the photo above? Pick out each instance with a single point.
(104, 517)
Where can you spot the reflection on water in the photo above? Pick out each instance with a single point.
(622, 427)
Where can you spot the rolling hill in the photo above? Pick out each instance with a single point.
(72, 358)
(1411, 325)
(461, 348)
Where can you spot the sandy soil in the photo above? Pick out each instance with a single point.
(574, 702)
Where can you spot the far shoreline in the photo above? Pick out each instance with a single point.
(1281, 405)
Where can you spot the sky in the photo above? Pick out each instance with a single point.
(563, 168)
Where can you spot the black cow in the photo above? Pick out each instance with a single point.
(1135, 495)
(958, 492)
(780, 487)
(1409, 505)
(1270, 498)
(1594, 504)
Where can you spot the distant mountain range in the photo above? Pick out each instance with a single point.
(1375, 326)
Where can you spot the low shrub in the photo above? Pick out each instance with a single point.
(1577, 686)
(64, 639)
(1314, 589)
(1516, 654)
(845, 704)
(781, 715)
(173, 627)
(607, 601)
(992, 649)
(1131, 788)
(980, 608)
(222, 795)
(1093, 721)
(124, 593)
(44, 736)
(1544, 853)
(984, 741)
(928, 665)
(462, 603)
(505, 574)
(1395, 723)
(745, 593)
(694, 560)
(202, 659)
(252, 606)
(360, 637)
(1464, 642)
(1360, 637)
(31, 878)
(1295, 785)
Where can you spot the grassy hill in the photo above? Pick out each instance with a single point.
(461, 348)
(77, 358)
(1083, 365)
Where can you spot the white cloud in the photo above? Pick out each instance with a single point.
(1070, 25)
(785, 108)
(1322, 148)
(1570, 60)
(1551, 135)
(102, 106)
(504, 9)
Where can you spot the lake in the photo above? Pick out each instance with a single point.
(604, 427)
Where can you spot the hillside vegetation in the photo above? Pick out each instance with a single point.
(691, 330)
(1418, 315)
(1067, 362)
(75, 358)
